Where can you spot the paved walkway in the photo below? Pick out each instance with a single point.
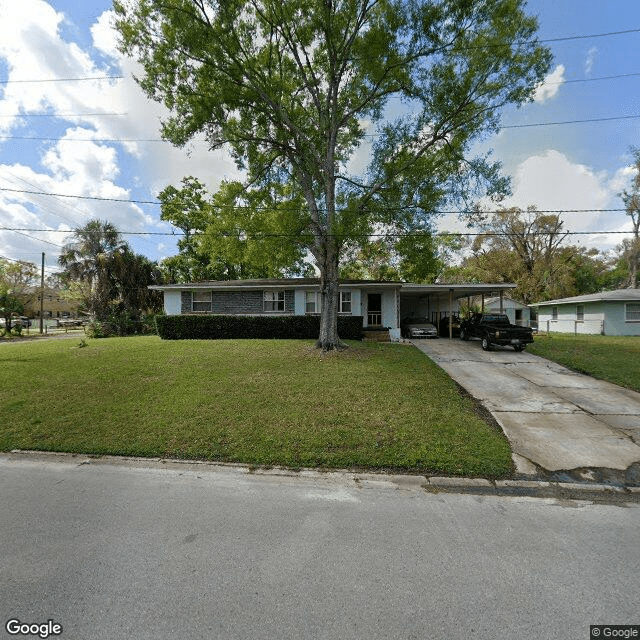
(553, 417)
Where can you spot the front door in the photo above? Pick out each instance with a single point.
(374, 310)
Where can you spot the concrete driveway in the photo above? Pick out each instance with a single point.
(555, 419)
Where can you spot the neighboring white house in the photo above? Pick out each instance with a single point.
(611, 313)
(381, 304)
(518, 313)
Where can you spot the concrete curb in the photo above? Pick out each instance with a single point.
(533, 488)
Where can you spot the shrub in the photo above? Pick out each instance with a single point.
(98, 329)
(216, 327)
(121, 323)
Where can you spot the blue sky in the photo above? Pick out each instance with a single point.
(558, 167)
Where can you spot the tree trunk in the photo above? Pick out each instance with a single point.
(330, 302)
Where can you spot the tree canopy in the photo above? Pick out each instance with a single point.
(111, 278)
(630, 247)
(528, 248)
(259, 240)
(17, 278)
(294, 88)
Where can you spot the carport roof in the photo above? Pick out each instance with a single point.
(457, 290)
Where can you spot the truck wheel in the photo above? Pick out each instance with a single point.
(463, 335)
(518, 347)
(486, 343)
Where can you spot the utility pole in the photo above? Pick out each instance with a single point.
(42, 294)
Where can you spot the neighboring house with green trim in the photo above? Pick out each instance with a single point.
(381, 304)
(611, 313)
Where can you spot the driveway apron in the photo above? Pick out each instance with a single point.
(554, 418)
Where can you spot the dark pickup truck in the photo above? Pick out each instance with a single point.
(495, 328)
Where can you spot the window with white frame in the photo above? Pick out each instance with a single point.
(345, 302)
(554, 313)
(274, 301)
(201, 301)
(312, 302)
(580, 313)
(632, 312)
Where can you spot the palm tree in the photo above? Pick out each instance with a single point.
(87, 258)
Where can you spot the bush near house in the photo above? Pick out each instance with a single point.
(218, 327)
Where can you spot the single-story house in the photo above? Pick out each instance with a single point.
(517, 312)
(381, 304)
(611, 313)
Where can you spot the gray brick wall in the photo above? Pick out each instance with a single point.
(238, 302)
(185, 301)
(233, 302)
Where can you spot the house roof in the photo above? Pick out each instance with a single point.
(459, 290)
(266, 282)
(619, 295)
(407, 287)
(505, 299)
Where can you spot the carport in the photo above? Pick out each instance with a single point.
(436, 301)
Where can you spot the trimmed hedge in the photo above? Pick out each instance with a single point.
(217, 327)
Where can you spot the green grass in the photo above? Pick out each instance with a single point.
(261, 402)
(612, 358)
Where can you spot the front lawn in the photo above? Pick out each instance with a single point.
(612, 358)
(261, 402)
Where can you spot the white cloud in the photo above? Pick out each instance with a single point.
(590, 60)
(552, 182)
(104, 35)
(551, 85)
(33, 48)
(623, 177)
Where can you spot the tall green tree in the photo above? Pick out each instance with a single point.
(412, 258)
(111, 277)
(10, 307)
(527, 248)
(259, 240)
(287, 86)
(86, 258)
(17, 280)
(629, 250)
(18, 276)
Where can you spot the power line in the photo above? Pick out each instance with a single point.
(63, 79)
(26, 235)
(291, 235)
(520, 42)
(570, 81)
(59, 115)
(592, 35)
(110, 140)
(247, 208)
(66, 195)
(549, 124)
(366, 135)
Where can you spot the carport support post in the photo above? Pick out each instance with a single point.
(450, 314)
(501, 301)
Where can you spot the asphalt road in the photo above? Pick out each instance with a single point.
(136, 551)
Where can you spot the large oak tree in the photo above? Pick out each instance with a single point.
(293, 88)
